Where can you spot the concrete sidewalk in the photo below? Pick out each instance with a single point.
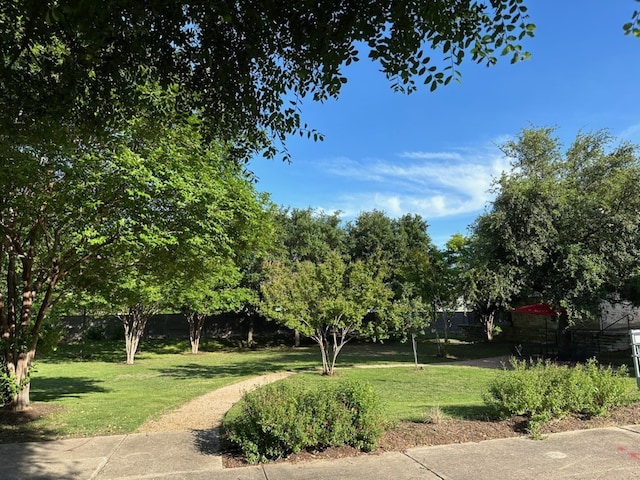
(608, 453)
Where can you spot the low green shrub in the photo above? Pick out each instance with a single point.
(51, 334)
(8, 386)
(284, 418)
(543, 390)
(94, 333)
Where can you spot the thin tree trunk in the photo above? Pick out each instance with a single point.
(489, 325)
(250, 333)
(296, 338)
(415, 349)
(445, 317)
(196, 322)
(337, 346)
(322, 342)
(335, 349)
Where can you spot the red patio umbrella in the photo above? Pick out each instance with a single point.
(540, 309)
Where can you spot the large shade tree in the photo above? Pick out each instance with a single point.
(155, 190)
(405, 246)
(61, 205)
(245, 66)
(309, 235)
(564, 223)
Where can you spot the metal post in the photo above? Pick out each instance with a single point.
(635, 352)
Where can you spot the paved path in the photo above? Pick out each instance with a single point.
(609, 453)
(208, 410)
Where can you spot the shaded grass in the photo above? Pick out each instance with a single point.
(381, 354)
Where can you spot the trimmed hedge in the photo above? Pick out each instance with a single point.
(284, 418)
(543, 390)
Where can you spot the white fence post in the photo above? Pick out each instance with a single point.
(635, 352)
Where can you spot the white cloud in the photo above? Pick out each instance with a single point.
(432, 155)
(345, 167)
(432, 184)
(631, 133)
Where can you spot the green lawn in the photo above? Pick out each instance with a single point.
(99, 394)
(409, 394)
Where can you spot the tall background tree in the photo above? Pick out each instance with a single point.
(309, 235)
(412, 270)
(564, 224)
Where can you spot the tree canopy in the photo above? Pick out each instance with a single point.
(564, 224)
(244, 66)
(331, 301)
(150, 198)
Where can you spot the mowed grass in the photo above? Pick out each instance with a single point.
(409, 394)
(100, 395)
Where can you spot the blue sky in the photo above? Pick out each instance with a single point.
(435, 154)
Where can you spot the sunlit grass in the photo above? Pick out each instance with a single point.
(409, 394)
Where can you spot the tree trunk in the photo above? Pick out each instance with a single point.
(134, 323)
(296, 338)
(196, 322)
(131, 346)
(250, 333)
(440, 348)
(20, 339)
(21, 400)
(336, 346)
(195, 344)
(334, 352)
(445, 318)
(489, 324)
(322, 342)
(415, 349)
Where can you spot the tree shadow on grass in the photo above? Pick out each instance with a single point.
(51, 389)
(195, 370)
(108, 351)
(20, 427)
(471, 412)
